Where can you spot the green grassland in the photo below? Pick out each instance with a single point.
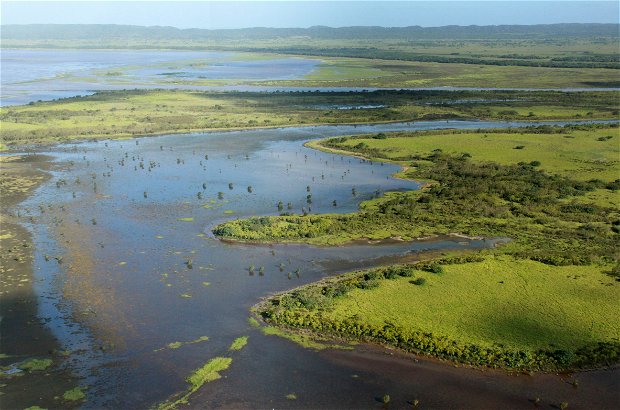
(582, 154)
(542, 301)
(117, 114)
(485, 310)
(515, 303)
(360, 72)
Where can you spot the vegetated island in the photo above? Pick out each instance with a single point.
(545, 301)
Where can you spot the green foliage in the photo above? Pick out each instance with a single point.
(205, 374)
(239, 343)
(74, 394)
(208, 372)
(33, 365)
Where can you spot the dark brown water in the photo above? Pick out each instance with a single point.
(124, 288)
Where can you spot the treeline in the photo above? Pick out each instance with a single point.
(591, 61)
(103, 32)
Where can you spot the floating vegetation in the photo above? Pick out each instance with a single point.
(239, 343)
(301, 339)
(229, 212)
(186, 219)
(253, 322)
(206, 283)
(33, 365)
(74, 394)
(176, 345)
(207, 373)
(291, 396)
(186, 295)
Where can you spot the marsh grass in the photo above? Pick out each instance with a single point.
(239, 343)
(205, 374)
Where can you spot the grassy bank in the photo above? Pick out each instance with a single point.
(118, 114)
(491, 311)
(511, 307)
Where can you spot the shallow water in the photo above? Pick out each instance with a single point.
(31, 75)
(125, 289)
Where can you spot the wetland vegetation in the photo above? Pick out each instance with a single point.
(119, 114)
(563, 242)
(127, 276)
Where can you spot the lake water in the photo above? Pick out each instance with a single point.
(32, 75)
(116, 212)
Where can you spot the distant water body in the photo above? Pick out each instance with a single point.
(33, 75)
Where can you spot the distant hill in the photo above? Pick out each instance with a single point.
(109, 32)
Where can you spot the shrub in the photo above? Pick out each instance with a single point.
(434, 268)
(368, 284)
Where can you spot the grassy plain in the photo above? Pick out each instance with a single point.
(581, 154)
(121, 114)
(484, 310)
(500, 300)
(359, 72)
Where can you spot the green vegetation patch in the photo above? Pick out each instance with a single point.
(176, 345)
(582, 152)
(74, 394)
(495, 311)
(309, 341)
(33, 365)
(207, 373)
(239, 343)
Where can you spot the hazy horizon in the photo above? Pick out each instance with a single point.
(302, 14)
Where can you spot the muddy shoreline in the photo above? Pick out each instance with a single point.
(24, 335)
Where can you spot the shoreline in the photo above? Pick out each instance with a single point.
(262, 306)
(24, 335)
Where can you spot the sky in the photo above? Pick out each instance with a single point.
(240, 14)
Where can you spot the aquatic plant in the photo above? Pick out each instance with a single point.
(207, 373)
(33, 365)
(239, 343)
(74, 394)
